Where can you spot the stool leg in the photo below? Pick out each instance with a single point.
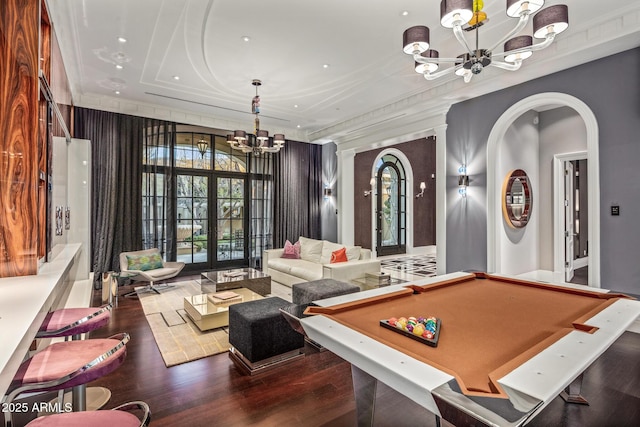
(7, 419)
(79, 394)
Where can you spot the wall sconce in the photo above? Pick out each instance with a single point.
(423, 186)
(463, 180)
(326, 192)
(372, 183)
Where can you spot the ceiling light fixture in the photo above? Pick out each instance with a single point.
(455, 14)
(122, 40)
(259, 142)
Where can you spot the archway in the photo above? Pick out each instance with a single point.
(494, 217)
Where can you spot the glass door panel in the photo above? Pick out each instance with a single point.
(390, 208)
(230, 218)
(192, 240)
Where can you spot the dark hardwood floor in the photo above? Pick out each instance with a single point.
(317, 390)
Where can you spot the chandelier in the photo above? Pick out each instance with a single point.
(258, 142)
(467, 15)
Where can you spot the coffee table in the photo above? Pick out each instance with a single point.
(367, 283)
(250, 278)
(208, 313)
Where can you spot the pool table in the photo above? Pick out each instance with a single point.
(506, 346)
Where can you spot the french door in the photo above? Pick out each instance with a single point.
(390, 208)
(206, 237)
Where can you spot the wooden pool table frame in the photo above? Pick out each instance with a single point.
(545, 359)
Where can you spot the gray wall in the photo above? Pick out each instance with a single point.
(611, 88)
(328, 214)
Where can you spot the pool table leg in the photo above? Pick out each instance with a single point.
(571, 394)
(364, 389)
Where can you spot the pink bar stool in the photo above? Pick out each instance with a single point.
(66, 364)
(118, 416)
(73, 322)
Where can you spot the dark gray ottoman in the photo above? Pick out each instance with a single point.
(304, 293)
(260, 336)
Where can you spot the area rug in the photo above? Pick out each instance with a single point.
(177, 338)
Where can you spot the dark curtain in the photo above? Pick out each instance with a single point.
(116, 159)
(297, 192)
(159, 189)
(261, 207)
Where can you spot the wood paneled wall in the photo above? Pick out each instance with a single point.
(19, 57)
(422, 155)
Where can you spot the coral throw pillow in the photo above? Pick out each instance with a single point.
(339, 256)
(291, 250)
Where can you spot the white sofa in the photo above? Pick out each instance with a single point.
(314, 263)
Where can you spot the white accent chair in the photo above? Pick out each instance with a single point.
(167, 271)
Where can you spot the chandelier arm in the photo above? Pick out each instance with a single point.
(457, 31)
(270, 149)
(524, 18)
(433, 76)
(422, 60)
(538, 46)
(507, 65)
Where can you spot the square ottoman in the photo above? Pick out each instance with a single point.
(260, 336)
(305, 293)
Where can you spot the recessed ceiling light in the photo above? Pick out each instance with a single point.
(119, 67)
(117, 92)
(298, 126)
(176, 77)
(295, 106)
(246, 38)
(405, 12)
(325, 66)
(122, 40)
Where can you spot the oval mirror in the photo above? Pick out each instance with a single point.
(517, 198)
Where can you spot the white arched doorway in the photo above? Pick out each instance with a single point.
(494, 216)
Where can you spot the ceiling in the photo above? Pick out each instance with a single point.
(329, 68)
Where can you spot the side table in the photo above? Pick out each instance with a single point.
(110, 286)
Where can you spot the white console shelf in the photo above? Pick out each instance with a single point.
(24, 302)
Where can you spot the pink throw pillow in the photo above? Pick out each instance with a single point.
(291, 250)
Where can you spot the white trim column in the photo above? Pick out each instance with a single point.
(441, 198)
(346, 212)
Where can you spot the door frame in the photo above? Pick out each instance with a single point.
(559, 228)
(401, 249)
(409, 181)
(212, 262)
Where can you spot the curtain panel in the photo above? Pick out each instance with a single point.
(159, 187)
(297, 192)
(120, 146)
(116, 158)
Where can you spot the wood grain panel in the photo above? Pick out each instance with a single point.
(19, 25)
